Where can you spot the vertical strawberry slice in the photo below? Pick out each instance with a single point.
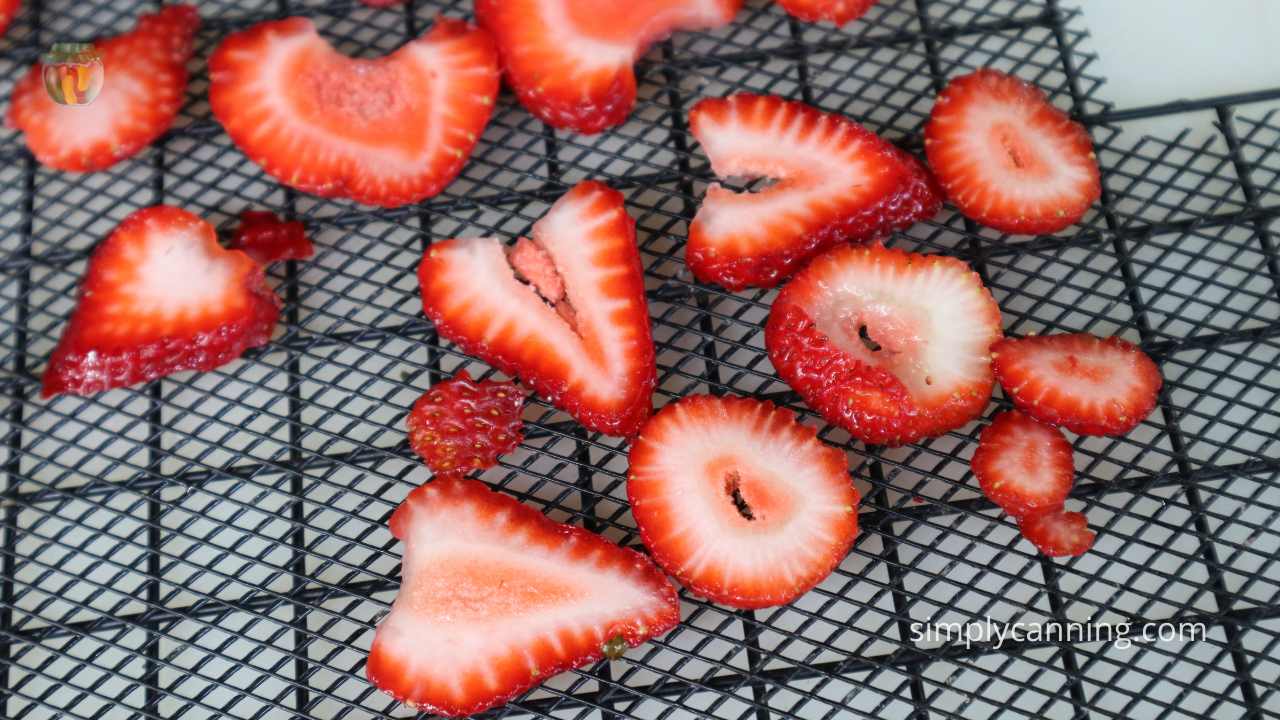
(268, 239)
(836, 182)
(497, 597)
(388, 131)
(8, 11)
(579, 335)
(160, 296)
(1058, 533)
(146, 78)
(837, 11)
(1023, 465)
(570, 61)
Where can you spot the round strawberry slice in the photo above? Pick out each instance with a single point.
(1084, 383)
(739, 502)
(892, 346)
(1023, 465)
(461, 425)
(1009, 159)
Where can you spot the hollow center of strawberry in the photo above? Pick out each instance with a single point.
(751, 497)
(733, 488)
(339, 93)
(533, 264)
(1017, 150)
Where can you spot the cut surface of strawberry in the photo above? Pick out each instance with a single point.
(268, 239)
(1023, 465)
(834, 182)
(461, 425)
(836, 11)
(1058, 533)
(1084, 383)
(8, 11)
(890, 345)
(496, 597)
(387, 131)
(146, 72)
(739, 502)
(1009, 159)
(589, 352)
(570, 61)
(160, 296)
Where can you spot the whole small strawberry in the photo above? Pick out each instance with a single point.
(461, 425)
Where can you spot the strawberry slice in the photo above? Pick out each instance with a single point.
(160, 296)
(8, 11)
(461, 425)
(587, 349)
(835, 182)
(890, 345)
(1084, 383)
(836, 11)
(570, 61)
(268, 239)
(146, 71)
(388, 131)
(1023, 465)
(739, 502)
(1009, 159)
(1057, 533)
(496, 598)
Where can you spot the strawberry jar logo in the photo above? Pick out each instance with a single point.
(73, 73)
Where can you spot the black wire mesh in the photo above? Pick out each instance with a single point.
(214, 545)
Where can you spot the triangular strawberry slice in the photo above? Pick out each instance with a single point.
(570, 61)
(582, 343)
(160, 296)
(388, 131)
(146, 81)
(836, 11)
(496, 598)
(1023, 465)
(835, 182)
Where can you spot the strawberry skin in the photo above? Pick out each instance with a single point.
(1023, 465)
(836, 11)
(496, 598)
(146, 72)
(570, 62)
(836, 182)
(1087, 384)
(268, 239)
(591, 352)
(461, 425)
(1009, 159)
(890, 345)
(1057, 533)
(160, 296)
(739, 502)
(388, 131)
(8, 11)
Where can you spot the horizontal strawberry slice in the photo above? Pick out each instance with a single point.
(146, 81)
(835, 182)
(570, 61)
(461, 425)
(496, 598)
(890, 345)
(1057, 533)
(388, 131)
(1084, 383)
(837, 11)
(8, 11)
(160, 296)
(1009, 159)
(268, 239)
(739, 502)
(1023, 465)
(580, 335)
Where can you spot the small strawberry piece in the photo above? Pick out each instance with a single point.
(739, 502)
(160, 296)
(461, 425)
(890, 345)
(1009, 159)
(388, 131)
(589, 352)
(496, 598)
(836, 182)
(381, 3)
(146, 71)
(268, 239)
(8, 11)
(1084, 383)
(570, 61)
(837, 11)
(1058, 533)
(1023, 465)
(533, 264)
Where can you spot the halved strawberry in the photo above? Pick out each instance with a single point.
(146, 71)
(389, 131)
(570, 61)
(890, 345)
(268, 239)
(8, 11)
(1009, 159)
(837, 11)
(1057, 533)
(496, 598)
(589, 352)
(739, 502)
(1023, 465)
(836, 182)
(1084, 383)
(461, 425)
(160, 296)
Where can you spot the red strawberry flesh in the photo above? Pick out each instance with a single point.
(268, 239)
(1023, 465)
(1058, 533)
(461, 425)
(837, 11)
(8, 11)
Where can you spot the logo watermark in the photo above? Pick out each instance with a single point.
(73, 73)
(1123, 635)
